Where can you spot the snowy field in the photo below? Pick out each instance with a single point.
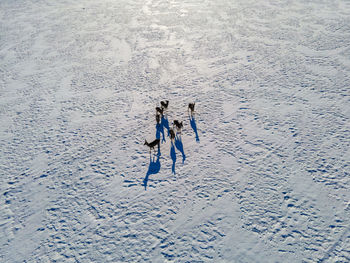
(261, 174)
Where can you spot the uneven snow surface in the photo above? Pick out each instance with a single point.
(260, 174)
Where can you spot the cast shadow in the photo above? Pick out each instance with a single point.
(160, 130)
(180, 147)
(173, 156)
(165, 124)
(153, 168)
(194, 126)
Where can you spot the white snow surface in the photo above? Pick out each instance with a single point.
(267, 179)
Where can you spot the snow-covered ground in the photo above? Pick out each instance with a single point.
(265, 179)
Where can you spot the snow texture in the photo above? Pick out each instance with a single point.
(260, 174)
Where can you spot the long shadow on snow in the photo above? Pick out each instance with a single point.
(194, 126)
(160, 130)
(180, 147)
(173, 157)
(165, 123)
(153, 168)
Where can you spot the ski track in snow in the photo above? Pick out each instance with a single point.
(268, 180)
